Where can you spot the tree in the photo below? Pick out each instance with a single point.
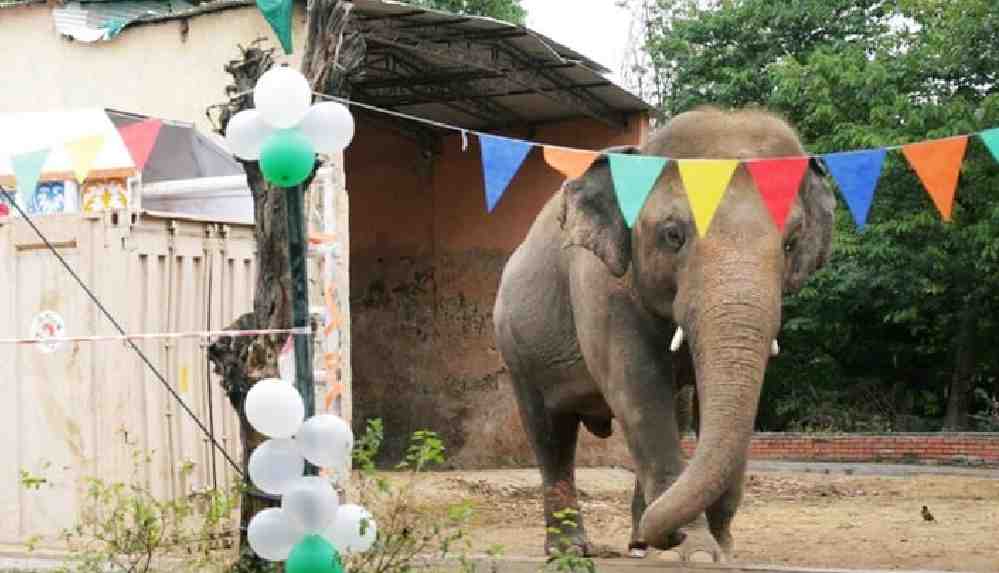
(894, 324)
(508, 10)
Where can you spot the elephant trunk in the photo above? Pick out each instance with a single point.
(730, 340)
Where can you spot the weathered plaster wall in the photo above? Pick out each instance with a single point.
(154, 69)
(425, 265)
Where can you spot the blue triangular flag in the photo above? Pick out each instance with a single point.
(27, 170)
(501, 158)
(857, 174)
(634, 176)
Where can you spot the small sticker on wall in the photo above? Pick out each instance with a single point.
(48, 324)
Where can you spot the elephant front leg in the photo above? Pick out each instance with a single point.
(721, 512)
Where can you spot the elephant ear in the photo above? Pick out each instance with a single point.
(815, 240)
(590, 215)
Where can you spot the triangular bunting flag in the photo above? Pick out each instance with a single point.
(278, 15)
(991, 139)
(778, 181)
(139, 139)
(705, 181)
(501, 158)
(82, 154)
(938, 164)
(571, 162)
(27, 170)
(634, 176)
(857, 174)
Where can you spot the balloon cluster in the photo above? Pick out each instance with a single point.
(284, 131)
(310, 527)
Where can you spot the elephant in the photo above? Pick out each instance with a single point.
(597, 320)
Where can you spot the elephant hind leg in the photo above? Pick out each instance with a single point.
(553, 438)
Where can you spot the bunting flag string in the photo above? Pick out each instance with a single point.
(27, 170)
(937, 162)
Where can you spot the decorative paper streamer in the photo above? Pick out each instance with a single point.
(27, 170)
(778, 181)
(278, 15)
(82, 153)
(139, 139)
(991, 139)
(705, 181)
(938, 165)
(634, 176)
(857, 174)
(48, 328)
(185, 379)
(571, 162)
(501, 159)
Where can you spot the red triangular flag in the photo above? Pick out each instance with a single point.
(938, 164)
(140, 138)
(778, 181)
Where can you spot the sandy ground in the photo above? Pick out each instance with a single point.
(799, 519)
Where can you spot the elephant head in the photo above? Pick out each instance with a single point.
(722, 291)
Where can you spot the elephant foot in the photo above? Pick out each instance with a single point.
(725, 541)
(697, 546)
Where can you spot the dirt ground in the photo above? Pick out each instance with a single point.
(788, 519)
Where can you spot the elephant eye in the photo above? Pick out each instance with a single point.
(673, 236)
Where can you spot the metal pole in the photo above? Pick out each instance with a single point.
(294, 201)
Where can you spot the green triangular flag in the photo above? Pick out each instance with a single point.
(27, 170)
(634, 176)
(991, 139)
(278, 15)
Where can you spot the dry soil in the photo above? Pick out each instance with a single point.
(788, 519)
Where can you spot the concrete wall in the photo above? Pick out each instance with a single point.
(151, 69)
(425, 265)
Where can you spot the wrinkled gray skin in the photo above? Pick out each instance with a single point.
(587, 308)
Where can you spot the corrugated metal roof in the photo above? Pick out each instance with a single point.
(13, 3)
(94, 20)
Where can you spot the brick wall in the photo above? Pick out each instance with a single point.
(928, 448)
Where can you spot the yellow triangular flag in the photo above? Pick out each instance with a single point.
(83, 152)
(705, 181)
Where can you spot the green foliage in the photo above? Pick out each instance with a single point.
(872, 340)
(411, 535)
(124, 527)
(507, 10)
(564, 555)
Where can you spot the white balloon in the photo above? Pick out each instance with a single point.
(353, 530)
(326, 441)
(274, 408)
(275, 465)
(245, 134)
(311, 503)
(329, 125)
(282, 96)
(272, 535)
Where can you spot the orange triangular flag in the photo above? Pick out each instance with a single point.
(938, 165)
(571, 162)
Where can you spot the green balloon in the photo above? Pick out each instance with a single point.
(287, 158)
(313, 554)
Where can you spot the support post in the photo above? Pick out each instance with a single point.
(294, 201)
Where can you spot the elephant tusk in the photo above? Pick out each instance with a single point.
(774, 348)
(677, 340)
